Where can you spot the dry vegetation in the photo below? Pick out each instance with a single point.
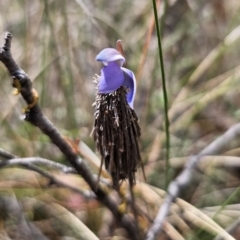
(56, 42)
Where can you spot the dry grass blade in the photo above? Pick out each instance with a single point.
(64, 218)
(181, 106)
(146, 192)
(208, 162)
(231, 229)
(154, 152)
(93, 159)
(230, 39)
(224, 217)
(202, 220)
(202, 223)
(194, 214)
(172, 232)
(186, 118)
(155, 148)
(146, 44)
(178, 221)
(69, 219)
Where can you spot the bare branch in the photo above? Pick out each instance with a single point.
(36, 160)
(6, 155)
(26, 162)
(183, 179)
(36, 117)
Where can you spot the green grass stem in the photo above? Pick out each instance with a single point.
(165, 96)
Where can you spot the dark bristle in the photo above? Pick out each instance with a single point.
(116, 132)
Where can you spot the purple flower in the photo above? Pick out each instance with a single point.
(113, 75)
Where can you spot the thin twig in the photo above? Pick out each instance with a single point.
(6, 155)
(37, 160)
(15, 160)
(27, 163)
(184, 178)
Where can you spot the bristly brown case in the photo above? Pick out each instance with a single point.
(116, 132)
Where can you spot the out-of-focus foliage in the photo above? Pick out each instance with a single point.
(56, 42)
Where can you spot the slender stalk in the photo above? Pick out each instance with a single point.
(165, 96)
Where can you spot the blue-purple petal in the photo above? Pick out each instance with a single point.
(111, 78)
(130, 82)
(108, 55)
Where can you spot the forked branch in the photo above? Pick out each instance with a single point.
(36, 117)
